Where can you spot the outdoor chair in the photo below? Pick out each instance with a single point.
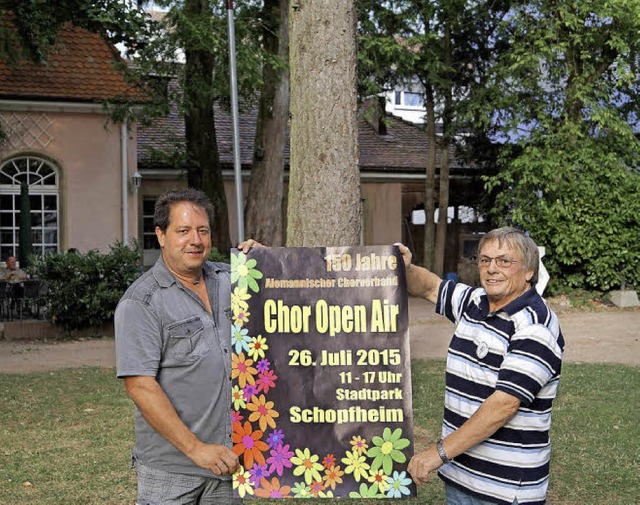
(5, 301)
(27, 297)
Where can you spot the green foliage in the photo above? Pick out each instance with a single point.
(84, 289)
(568, 105)
(218, 256)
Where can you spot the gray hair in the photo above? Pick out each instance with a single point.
(162, 211)
(516, 239)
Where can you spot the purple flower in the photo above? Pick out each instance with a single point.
(257, 473)
(279, 459)
(249, 390)
(263, 365)
(275, 438)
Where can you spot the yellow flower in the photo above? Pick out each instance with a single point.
(242, 482)
(307, 464)
(257, 347)
(356, 464)
(240, 316)
(380, 479)
(239, 299)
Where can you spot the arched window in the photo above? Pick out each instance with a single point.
(41, 177)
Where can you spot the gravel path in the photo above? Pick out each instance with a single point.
(602, 336)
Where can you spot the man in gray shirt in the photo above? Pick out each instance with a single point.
(173, 342)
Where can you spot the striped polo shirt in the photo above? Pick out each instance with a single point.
(517, 350)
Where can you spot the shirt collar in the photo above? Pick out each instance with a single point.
(165, 278)
(481, 300)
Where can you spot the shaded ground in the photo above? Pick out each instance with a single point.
(600, 335)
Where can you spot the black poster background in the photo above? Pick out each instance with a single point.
(382, 357)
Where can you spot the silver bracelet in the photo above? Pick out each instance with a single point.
(441, 453)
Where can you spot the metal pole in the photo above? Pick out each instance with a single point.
(237, 166)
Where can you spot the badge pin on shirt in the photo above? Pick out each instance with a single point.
(482, 350)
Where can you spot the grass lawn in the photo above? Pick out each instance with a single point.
(65, 436)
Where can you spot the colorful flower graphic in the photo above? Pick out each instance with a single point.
(356, 465)
(240, 339)
(359, 444)
(280, 459)
(242, 483)
(242, 370)
(380, 479)
(239, 299)
(247, 443)
(237, 396)
(316, 487)
(240, 316)
(257, 346)
(328, 461)
(266, 381)
(257, 472)
(262, 411)
(248, 391)
(301, 490)
(332, 477)
(263, 365)
(272, 489)
(243, 272)
(398, 485)
(307, 465)
(365, 491)
(388, 449)
(275, 438)
(236, 416)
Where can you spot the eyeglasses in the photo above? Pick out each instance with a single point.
(504, 263)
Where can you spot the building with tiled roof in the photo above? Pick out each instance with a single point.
(93, 181)
(81, 67)
(61, 141)
(392, 166)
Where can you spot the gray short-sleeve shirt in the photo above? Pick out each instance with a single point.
(163, 330)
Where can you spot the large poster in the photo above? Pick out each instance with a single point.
(321, 373)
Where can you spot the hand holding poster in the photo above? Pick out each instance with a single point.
(321, 373)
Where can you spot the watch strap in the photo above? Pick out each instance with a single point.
(441, 453)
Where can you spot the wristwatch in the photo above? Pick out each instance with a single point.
(441, 453)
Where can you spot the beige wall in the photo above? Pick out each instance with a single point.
(87, 151)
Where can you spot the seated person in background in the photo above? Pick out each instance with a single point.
(11, 273)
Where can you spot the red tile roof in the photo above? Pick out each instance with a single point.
(80, 67)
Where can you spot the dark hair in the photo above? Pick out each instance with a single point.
(516, 239)
(164, 203)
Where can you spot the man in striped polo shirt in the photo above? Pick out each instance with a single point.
(503, 368)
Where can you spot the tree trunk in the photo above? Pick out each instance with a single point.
(204, 171)
(443, 194)
(443, 206)
(324, 185)
(430, 182)
(264, 202)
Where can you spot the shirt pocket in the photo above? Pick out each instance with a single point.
(187, 341)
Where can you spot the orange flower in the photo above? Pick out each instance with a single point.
(247, 443)
(262, 411)
(332, 476)
(272, 489)
(242, 370)
(328, 461)
(316, 487)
